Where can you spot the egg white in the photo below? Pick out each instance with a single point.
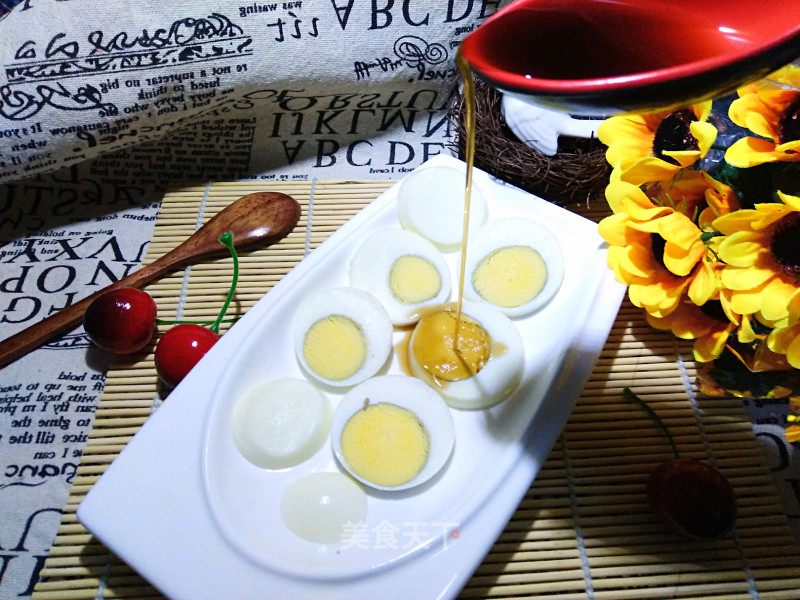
(280, 423)
(500, 375)
(360, 307)
(513, 231)
(430, 202)
(371, 265)
(409, 393)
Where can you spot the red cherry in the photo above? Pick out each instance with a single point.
(180, 349)
(121, 320)
(692, 499)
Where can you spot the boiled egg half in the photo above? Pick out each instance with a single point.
(516, 265)
(403, 270)
(280, 423)
(431, 202)
(392, 432)
(342, 336)
(477, 367)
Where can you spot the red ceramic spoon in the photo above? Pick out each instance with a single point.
(597, 57)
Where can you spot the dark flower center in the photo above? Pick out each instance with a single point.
(713, 309)
(785, 244)
(657, 245)
(674, 134)
(789, 126)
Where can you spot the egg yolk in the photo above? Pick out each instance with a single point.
(434, 346)
(385, 444)
(335, 347)
(412, 279)
(510, 276)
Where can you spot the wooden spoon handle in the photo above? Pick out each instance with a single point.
(254, 218)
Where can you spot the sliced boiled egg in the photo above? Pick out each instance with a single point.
(342, 336)
(484, 370)
(516, 265)
(280, 423)
(431, 202)
(403, 270)
(392, 432)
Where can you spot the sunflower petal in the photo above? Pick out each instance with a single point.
(681, 261)
(626, 137)
(735, 221)
(638, 261)
(710, 346)
(749, 152)
(743, 248)
(775, 299)
(658, 296)
(612, 258)
(789, 200)
(746, 302)
(614, 229)
(793, 352)
(780, 339)
(678, 229)
(687, 321)
(746, 335)
(704, 284)
(737, 278)
(768, 214)
(790, 147)
(647, 169)
(702, 110)
(794, 308)
(705, 134)
(750, 112)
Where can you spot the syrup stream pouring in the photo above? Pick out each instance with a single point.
(254, 219)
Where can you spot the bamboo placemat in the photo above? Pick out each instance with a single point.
(583, 530)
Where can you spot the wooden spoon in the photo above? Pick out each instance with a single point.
(254, 219)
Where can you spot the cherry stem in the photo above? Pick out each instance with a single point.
(652, 414)
(227, 240)
(183, 321)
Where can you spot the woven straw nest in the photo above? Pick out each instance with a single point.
(578, 173)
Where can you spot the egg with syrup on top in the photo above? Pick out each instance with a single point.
(403, 270)
(474, 365)
(342, 336)
(513, 264)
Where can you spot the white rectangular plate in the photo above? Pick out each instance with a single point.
(194, 533)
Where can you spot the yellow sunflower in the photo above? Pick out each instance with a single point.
(656, 249)
(761, 249)
(771, 109)
(655, 146)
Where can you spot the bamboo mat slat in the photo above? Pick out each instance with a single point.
(583, 529)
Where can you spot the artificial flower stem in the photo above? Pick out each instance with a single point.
(227, 240)
(627, 391)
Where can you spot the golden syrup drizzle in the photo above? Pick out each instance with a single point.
(469, 157)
